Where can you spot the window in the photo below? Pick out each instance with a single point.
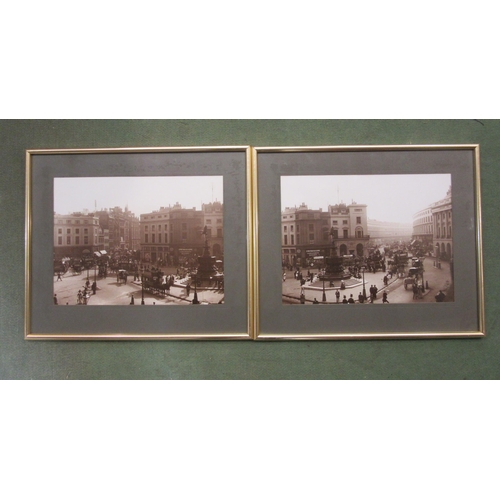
(219, 221)
(334, 222)
(59, 231)
(358, 220)
(166, 227)
(311, 227)
(59, 240)
(286, 239)
(77, 240)
(346, 233)
(297, 228)
(153, 228)
(209, 221)
(146, 238)
(153, 239)
(291, 240)
(335, 234)
(344, 222)
(219, 233)
(68, 240)
(77, 230)
(159, 236)
(146, 229)
(85, 240)
(68, 231)
(284, 228)
(68, 222)
(291, 229)
(86, 230)
(298, 239)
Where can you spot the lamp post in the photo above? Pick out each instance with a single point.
(324, 293)
(142, 289)
(364, 289)
(195, 298)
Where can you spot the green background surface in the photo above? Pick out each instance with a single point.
(380, 359)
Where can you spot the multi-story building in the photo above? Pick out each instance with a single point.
(175, 234)
(307, 233)
(75, 233)
(120, 229)
(423, 226)
(213, 220)
(442, 227)
(389, 232)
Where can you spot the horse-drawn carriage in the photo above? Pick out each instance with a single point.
(156, 282)
(121, 276)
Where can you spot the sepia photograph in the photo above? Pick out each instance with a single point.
(366, 239)
(138, 240)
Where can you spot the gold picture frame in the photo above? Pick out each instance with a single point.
(275, 318)
(229, 318)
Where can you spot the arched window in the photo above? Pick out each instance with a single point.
(359, 232)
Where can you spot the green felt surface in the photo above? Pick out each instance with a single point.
(391, 359)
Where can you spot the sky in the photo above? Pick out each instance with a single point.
(141, 194)
(389, 198)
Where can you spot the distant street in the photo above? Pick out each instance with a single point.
(437, 279)
(110, 292)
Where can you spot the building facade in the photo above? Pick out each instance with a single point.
(74, 234)
(382, 232)
(307, 233)
(423, 229)
(443, 227)
(175, 235)
(120, 229)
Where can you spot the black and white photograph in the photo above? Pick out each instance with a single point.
(366, 239)
(138, 240)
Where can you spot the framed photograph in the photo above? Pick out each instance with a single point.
(146, 243)
(368, 242)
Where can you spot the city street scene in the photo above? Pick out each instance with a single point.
(366, 239)
(138, 241)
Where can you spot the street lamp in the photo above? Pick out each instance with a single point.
(142, 289)
(364, 289)
(195, 298)
(324, 294)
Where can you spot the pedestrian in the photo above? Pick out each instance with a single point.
(94, 287)
(361, 298)
(440, 296)
(79, 297)
(284, 276)
(188, 289)
(59, 277)
(384, 298)
(55, 299)
(342, 285)
(337, 295)
(351, 300)
(315, 301)
(345, 301)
